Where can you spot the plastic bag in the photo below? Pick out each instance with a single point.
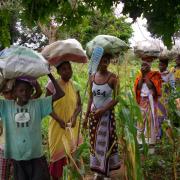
(147, 48)
(110, 44)
(175, 51)
(65, 50)
(166, 54)
(2, 64)
(21, 61)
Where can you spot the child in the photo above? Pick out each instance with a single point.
(22, 123)
(7, 92)
(65, 114)
(103, 140)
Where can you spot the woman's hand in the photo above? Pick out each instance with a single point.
(98, 113)
(85, 123)
(58, 120)
(149, 83)
(73, 120)
(145, 68)
(62, 124)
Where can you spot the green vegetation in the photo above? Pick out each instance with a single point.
(163, 17)
(99, 23)
(84, 20)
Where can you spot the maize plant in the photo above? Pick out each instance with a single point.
(127, 114)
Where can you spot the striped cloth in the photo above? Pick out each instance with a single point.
(5, 165)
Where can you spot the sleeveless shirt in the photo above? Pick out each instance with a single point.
(102, 93)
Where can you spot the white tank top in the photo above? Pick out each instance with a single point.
(102, 93)
(145, 90)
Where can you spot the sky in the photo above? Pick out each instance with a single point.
(139, 27)
(140, 31)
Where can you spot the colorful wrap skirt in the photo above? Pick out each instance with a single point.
(150, 124)
(104, 155)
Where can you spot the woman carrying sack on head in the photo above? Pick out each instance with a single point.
(147, 89)
(64, 121)
(104, 155)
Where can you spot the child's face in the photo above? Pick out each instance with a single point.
(23, 92)
(65, 71)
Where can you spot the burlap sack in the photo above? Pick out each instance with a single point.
(64, 50)
(110, 44)
(147, 48)
(22, 61)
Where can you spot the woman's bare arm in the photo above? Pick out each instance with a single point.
(59, 92)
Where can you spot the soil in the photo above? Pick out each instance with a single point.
(115, 175)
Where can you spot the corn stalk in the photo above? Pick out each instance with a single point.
(127, 115)
(127, 121)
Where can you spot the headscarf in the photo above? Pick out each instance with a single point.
(31, 80)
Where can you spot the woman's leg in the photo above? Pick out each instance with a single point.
(56, 168)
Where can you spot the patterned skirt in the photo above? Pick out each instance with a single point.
(150, 124)
(104, 155)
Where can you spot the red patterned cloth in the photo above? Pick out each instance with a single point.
(5, 165)
(155, 78)
(56, 168)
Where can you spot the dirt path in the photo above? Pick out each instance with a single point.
(115, 175)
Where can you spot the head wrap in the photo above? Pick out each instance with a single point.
(31, 80)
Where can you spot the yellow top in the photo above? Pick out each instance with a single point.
(64, 108)
(176, 73)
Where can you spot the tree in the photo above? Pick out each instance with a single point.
(5, 37)
(92, 26)
(21, 34)
(163, 17)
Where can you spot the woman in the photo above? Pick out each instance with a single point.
(103, 140)
(148, 89)
(168, 84)
(176, 72)
(65, 115)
